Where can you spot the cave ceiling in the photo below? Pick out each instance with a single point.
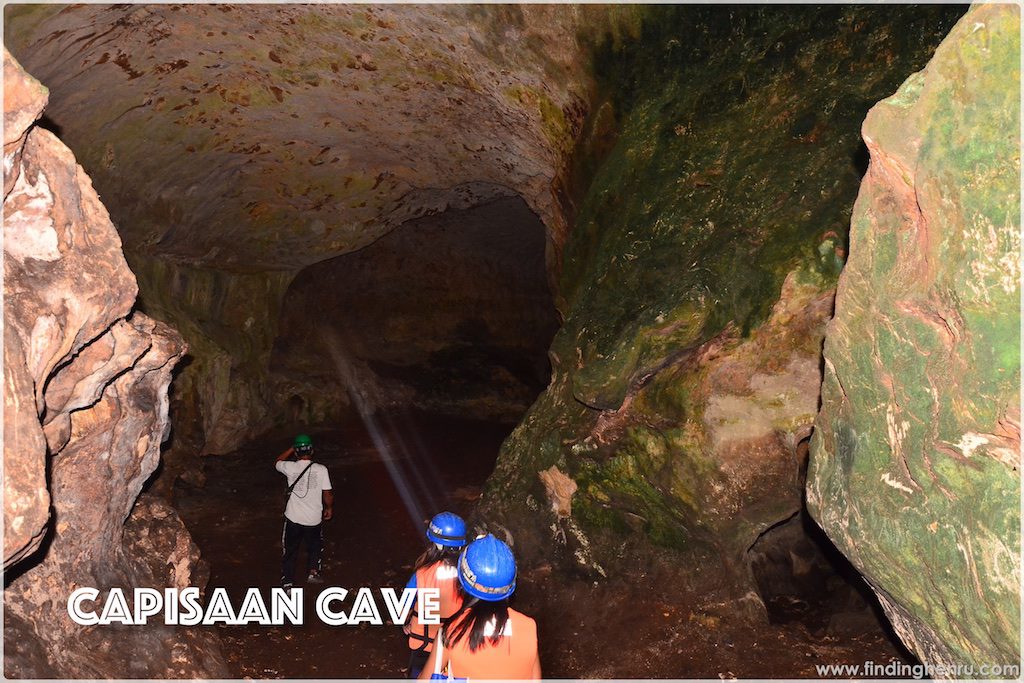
(270, 137)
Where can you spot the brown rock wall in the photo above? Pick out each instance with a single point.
(85, 403)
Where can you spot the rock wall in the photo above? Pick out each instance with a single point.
(221, 396)
(243, 143)
(85, 403)
(916, 455)
(711, 192)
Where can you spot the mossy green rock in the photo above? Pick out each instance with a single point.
(915, 459)
(712, 190)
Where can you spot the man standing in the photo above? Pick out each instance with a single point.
(310, 502)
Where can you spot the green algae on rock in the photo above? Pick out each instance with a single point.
(915, 459)
(718, 174)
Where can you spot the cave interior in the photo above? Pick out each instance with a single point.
(446, 242)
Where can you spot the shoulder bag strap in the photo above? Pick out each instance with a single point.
(289, 491)
(438, 652)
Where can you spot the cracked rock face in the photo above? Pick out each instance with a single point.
(26, 498)
(85, 411)
(915, 459)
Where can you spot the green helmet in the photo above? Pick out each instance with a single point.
(303, 442)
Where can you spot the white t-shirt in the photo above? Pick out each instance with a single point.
(305, 504)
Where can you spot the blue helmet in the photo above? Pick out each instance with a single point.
(447, 529)
(487, 569)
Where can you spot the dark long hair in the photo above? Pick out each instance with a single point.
(472, 619)
(446, 554)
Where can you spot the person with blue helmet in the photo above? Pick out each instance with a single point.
(486, 639)
(435, 568)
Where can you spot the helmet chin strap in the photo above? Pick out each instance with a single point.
(439, 546)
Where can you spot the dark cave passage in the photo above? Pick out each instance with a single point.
(451, 313)
(235, 517)
(408, 361)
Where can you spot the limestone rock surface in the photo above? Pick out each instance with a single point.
(916, 455)
(715, 179)
(242, 143)
(85, 403)
(26, 498)
(379, 113)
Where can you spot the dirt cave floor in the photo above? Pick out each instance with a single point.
(617, 628)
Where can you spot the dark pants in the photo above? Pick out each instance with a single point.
(294, 535)
(416, 662)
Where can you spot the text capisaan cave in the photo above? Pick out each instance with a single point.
(184, 607)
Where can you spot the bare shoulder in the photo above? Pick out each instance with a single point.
(527, 622)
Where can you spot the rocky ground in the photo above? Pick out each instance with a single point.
(636, 623)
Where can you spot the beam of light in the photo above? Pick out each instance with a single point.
(418, 455)
(366, 397)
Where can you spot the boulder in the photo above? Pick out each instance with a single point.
(915, 471)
